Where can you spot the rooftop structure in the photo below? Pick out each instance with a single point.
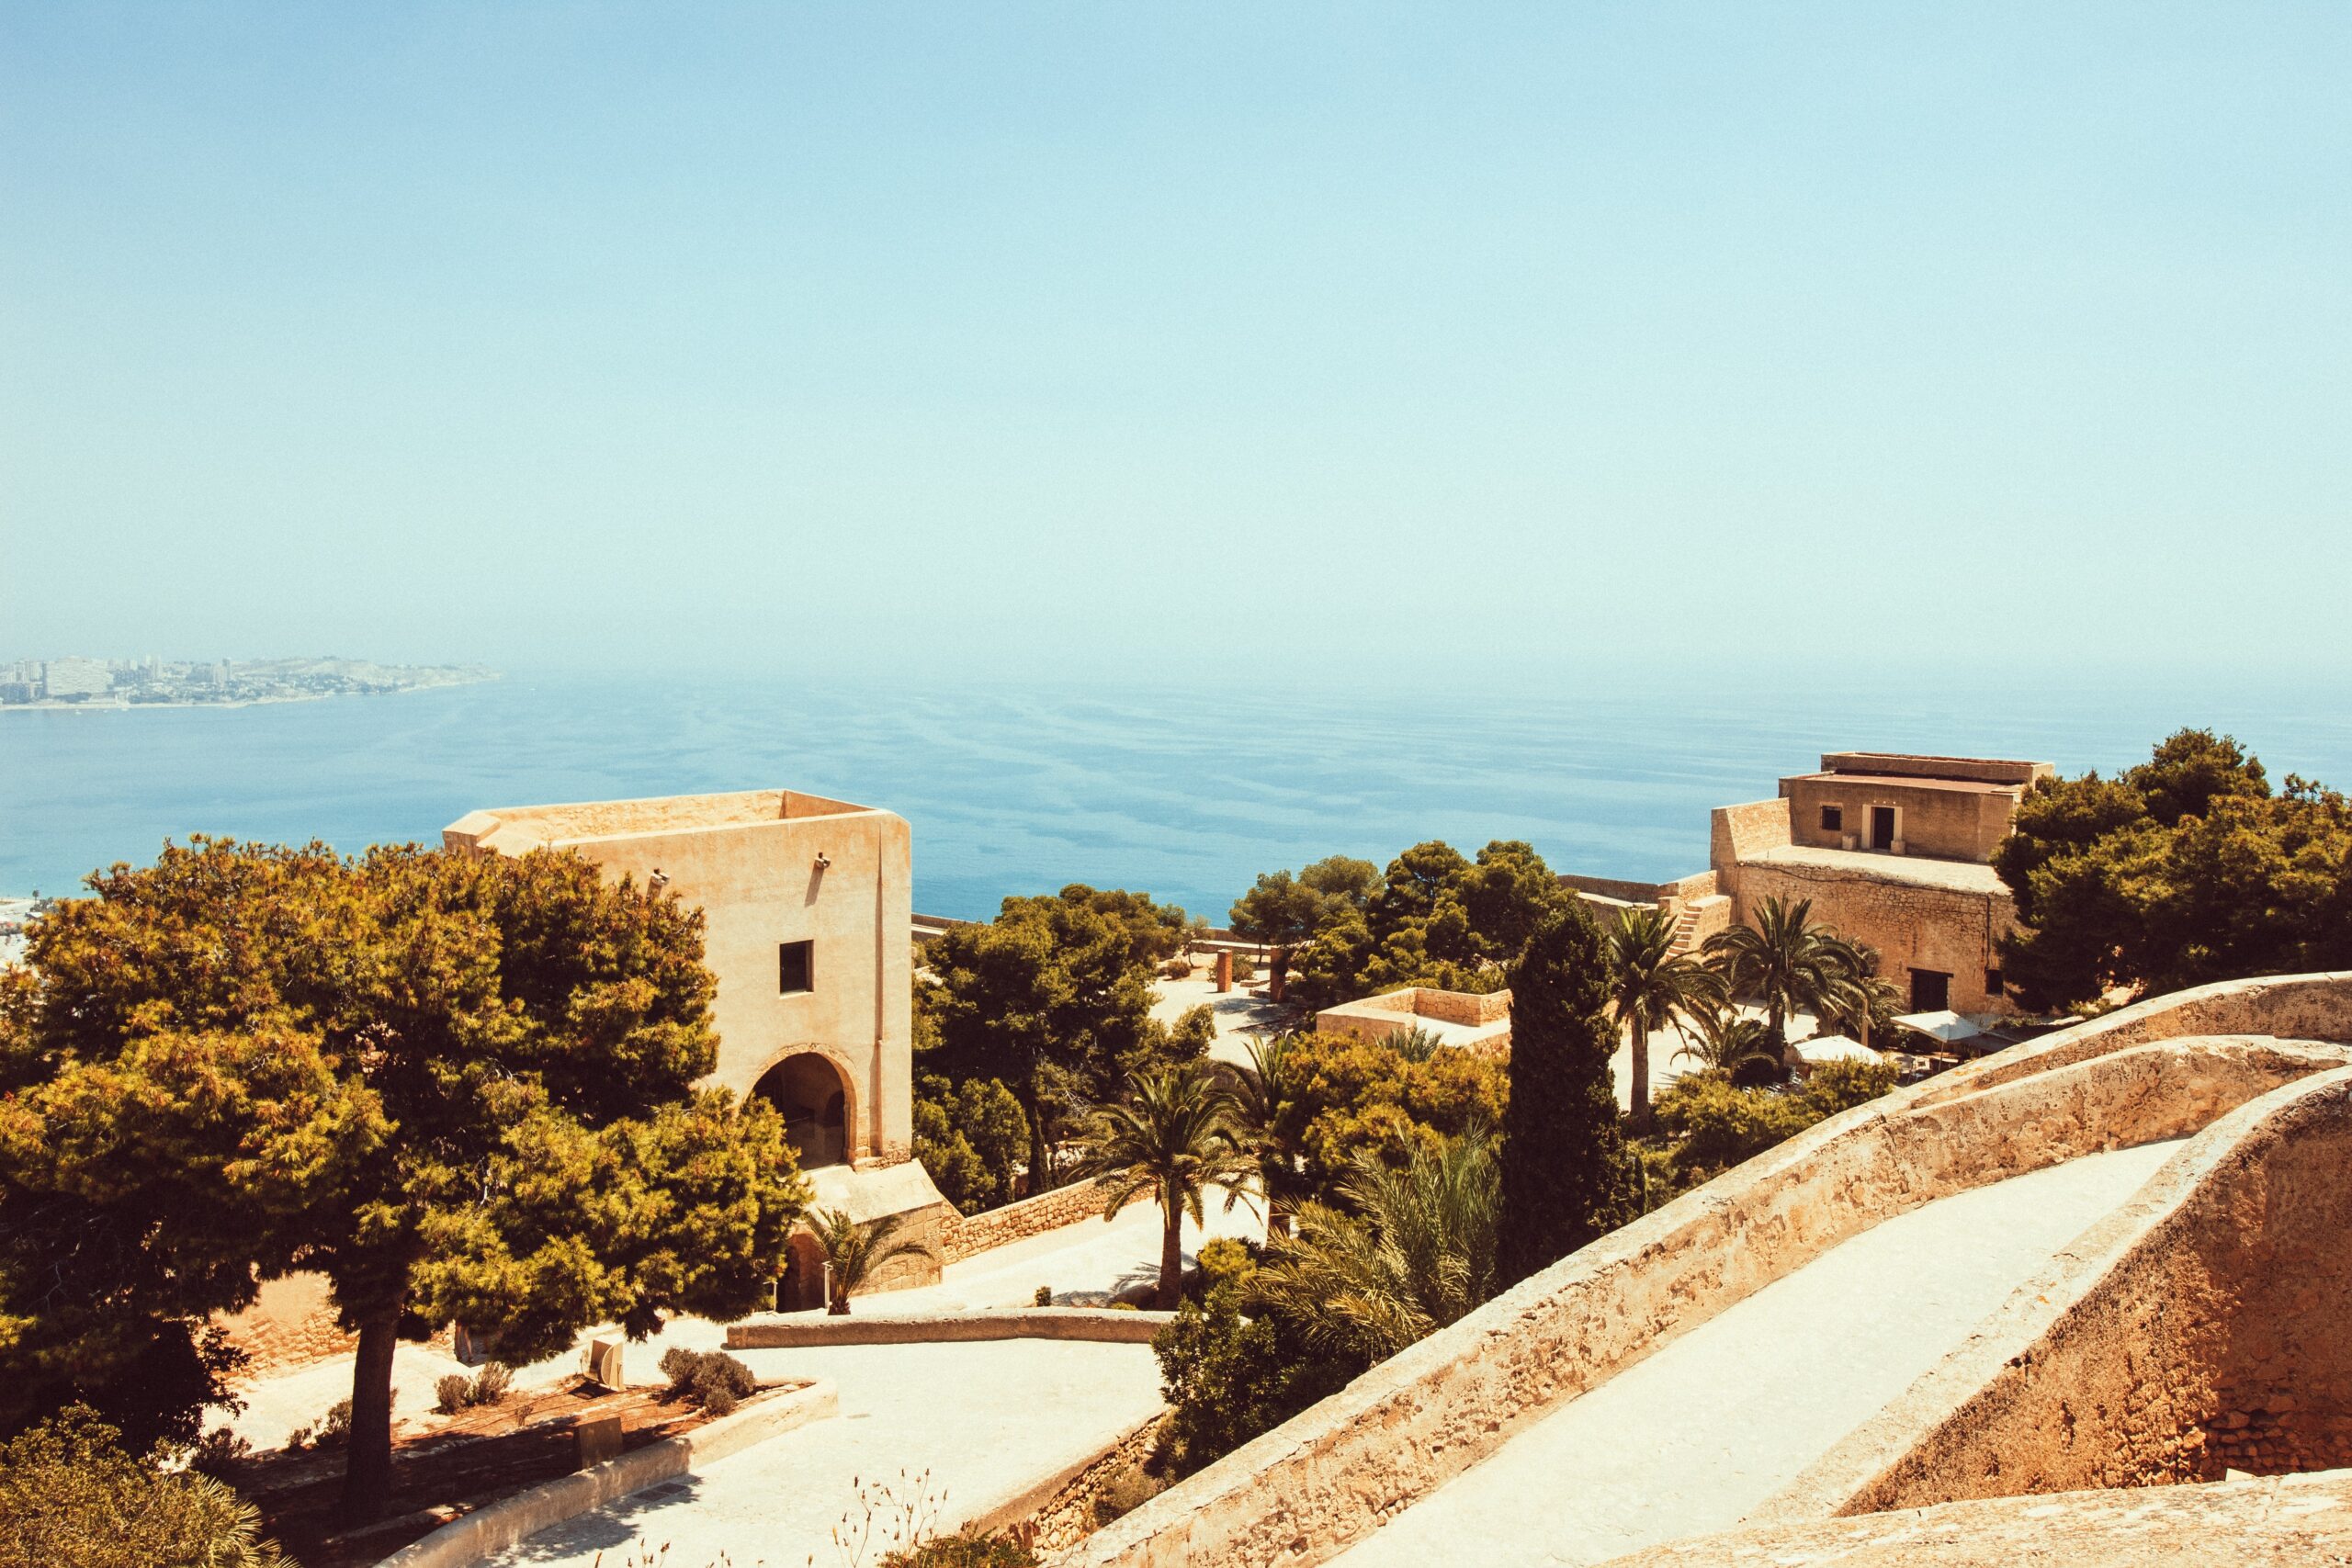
(807, 902)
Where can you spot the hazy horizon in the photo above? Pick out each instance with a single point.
(1326, 346)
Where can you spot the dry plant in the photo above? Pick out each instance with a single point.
(888, 1518)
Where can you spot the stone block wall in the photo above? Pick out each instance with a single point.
(1063, 1512)
(291, 1324)
(2199, 1328)
(1326, 1478)
(1736, 833)
(1909, 927)
(961, 1235)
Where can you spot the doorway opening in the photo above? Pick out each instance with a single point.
(808, 1089)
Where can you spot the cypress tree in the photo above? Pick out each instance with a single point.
(1566, 1173)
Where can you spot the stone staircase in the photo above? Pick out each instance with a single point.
(1686, 927)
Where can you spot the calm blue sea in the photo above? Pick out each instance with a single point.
(1184, 794)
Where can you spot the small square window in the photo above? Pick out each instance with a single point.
(1833, 818)
(792, 967)
(1993, 982)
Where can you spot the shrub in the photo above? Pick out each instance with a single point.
(69, 1494)
(1044, 1297)
(1842, 1085)
(1125, 1492)
(492, 1383)
(712, 1379)
(965, 1549)
(1244, 967)
(1223, 1261)
(456, 1392)
(1177, 968)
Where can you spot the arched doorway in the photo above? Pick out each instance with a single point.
(809, 1091)
(803, 1286)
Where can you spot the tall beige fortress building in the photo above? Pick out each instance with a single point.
(808, 906)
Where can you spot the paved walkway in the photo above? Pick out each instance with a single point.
(1240, 1017)
(1721, 1419)
(985, 1421)
(1083, 1264)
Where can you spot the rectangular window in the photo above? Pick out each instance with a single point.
(1993, 982)
(792, 967)
(1833, 818)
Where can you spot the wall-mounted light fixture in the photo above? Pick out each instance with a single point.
(823, 860)
(657, 881)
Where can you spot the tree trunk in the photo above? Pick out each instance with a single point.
(1171, 1257)
(1641, 1075)
(368, 1460)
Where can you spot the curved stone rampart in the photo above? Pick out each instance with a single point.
(2290, 1007)
(2290, 1521)
(2200, 1327)
(1302, 1492)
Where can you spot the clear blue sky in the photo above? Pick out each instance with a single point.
(1070, 339)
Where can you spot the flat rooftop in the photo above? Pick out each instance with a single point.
(1909, 870)
(511, 828)
(1908, 780)
(1921, 766)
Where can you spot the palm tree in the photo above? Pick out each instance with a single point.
(1416, 1044)
(856, 1249)
(1648, 984)
(1270, 1112)
(1418, 1254)
(1857, 1003)
(1173, 1135)
(1783, 961)
(1728, 1040)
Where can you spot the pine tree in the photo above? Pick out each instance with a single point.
(1566, 1173)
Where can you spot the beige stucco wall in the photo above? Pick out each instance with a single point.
(1328, 1477)
(748, 862)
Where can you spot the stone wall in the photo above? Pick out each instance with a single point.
(1612, 887)
(2291, 1522)
(961, 1235)
(1712, 914)
(1736, 833)
(1329, 1476)
(2290, 1007)
(291, 1324)
(1966, 822)
(2199, 1328)
(1909, 927)
(1059, 1513)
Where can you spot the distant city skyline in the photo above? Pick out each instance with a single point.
(1308, 343)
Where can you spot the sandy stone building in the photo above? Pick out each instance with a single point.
(807, 903)
(1893, 851)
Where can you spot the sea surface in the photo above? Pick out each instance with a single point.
(1184, 794)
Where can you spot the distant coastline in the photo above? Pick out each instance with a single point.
(438, 678)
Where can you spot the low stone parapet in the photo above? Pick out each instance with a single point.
(2286, 1522)
(511, 1519)
(1329, 1476)
(801, 1330)
(966, 1236)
